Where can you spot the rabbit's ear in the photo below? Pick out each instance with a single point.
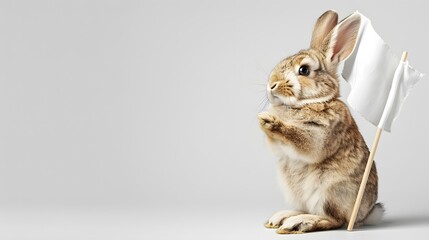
(323, 26)
(340, 42)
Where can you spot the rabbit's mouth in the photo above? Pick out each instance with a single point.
(274, 100)
(279, 100)
(283, 93)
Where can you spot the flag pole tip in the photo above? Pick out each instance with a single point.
(404, 56)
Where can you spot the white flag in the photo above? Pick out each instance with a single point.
(379, 82)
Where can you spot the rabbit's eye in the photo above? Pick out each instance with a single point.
(304, 70)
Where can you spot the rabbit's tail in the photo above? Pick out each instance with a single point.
(375, 216)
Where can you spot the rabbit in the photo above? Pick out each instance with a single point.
(322, 154)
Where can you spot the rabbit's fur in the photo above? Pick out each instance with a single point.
(322, 153)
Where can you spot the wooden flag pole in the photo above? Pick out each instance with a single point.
(367, 170)
(364, 180)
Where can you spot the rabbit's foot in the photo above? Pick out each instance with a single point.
(307, 223)
(277, 218)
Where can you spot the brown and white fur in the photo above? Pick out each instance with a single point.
(322, 153)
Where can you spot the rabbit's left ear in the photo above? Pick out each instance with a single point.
(323, 26)
(340, 42)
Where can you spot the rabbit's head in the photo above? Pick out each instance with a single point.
(310, 76)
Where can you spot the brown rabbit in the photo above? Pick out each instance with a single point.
(322, 153)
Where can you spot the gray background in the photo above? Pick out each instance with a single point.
(137, 119)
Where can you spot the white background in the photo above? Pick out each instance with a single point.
(137, 119)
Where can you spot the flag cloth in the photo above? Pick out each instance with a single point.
(379, 82)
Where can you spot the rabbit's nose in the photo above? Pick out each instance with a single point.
(273, 86)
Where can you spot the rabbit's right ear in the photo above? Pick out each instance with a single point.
(323, 26)
(340, 42)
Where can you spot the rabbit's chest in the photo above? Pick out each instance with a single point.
(305, 188)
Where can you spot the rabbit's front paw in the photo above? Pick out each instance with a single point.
(268, 121)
